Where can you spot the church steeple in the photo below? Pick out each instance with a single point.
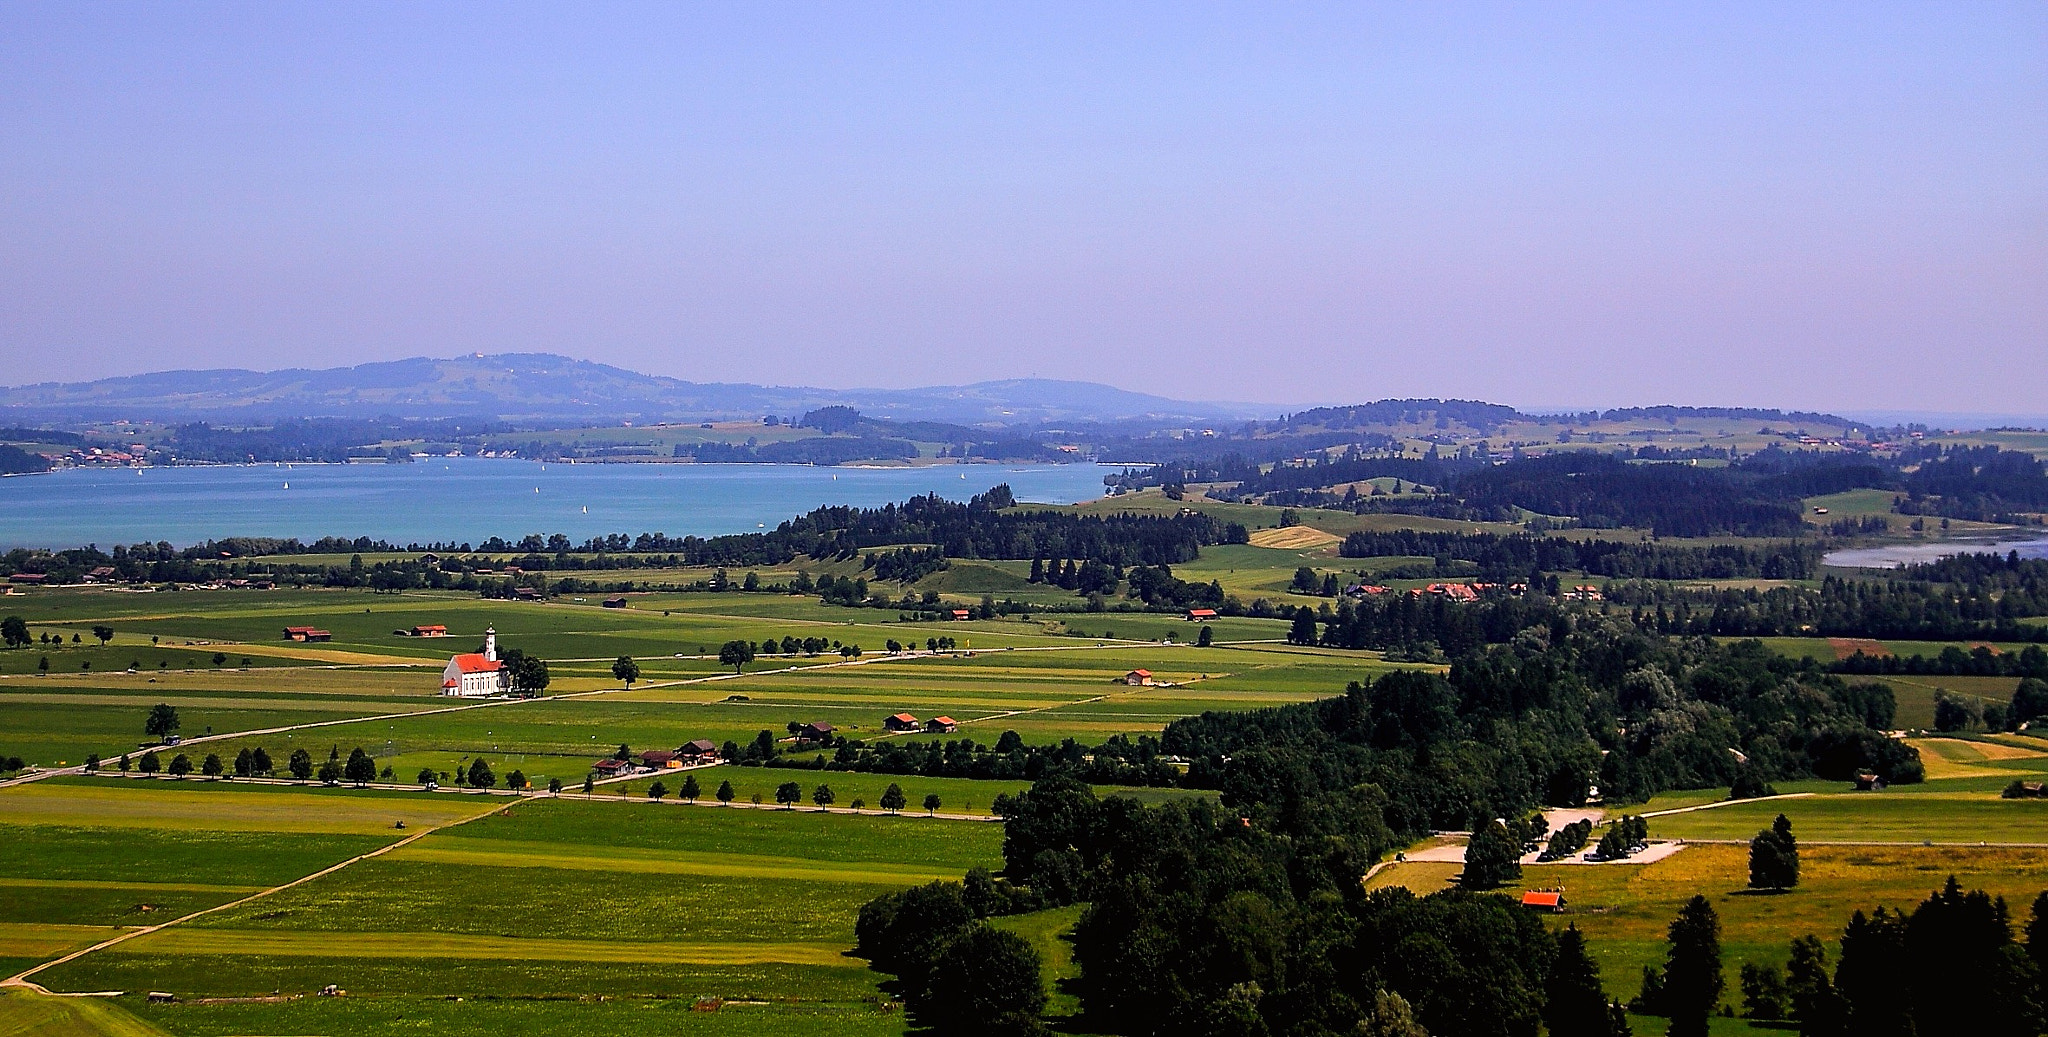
(491, 644)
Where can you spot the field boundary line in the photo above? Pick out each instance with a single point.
(21, 979)
(1727, 803)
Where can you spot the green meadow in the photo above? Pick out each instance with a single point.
(538, 898)
(548, 915)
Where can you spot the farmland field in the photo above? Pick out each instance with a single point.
(653, 904)
(547, 898)
(548, 915)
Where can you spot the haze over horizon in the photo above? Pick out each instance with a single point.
(1838, 208)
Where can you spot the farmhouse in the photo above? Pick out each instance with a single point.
(1138, 678)
(1200, 614)
(1453, 591)
(28, 578)
(901, 722)
(815, 731)
(955, 614)
(525, 594)
(941, 725)
(611, 768)
(103, 572)
(430, 630)
(702, 750)
(615, 602)
(475, 675)
(306, 634)
(659, 759)
(1544, 901)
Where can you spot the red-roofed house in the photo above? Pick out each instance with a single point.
(306, 634)
(702, 750)
(1138, 678)
(960, 614)
(941, 725)
(611, 768)
(475, 675)
(659, 759)
(901, 722)
(1552, 902)
(1200, 614)
(430, 630)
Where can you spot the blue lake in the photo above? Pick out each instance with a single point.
(1891, 556)
(469, 499)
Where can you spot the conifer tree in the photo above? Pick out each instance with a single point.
(1692, 970)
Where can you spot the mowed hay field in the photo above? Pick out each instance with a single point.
(87, 858)
(564, 898)
(540, 907)
(369, 671)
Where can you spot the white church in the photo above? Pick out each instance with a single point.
(476, 675)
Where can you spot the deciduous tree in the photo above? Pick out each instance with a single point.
(736, 654)
(162, 721)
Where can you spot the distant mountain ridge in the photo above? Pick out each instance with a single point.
(547, 387)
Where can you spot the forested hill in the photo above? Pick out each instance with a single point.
(1759, 494)
(543, 386)
(1487, 417)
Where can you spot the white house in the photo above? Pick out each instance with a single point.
(475, 674)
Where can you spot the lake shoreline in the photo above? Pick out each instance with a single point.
(1893, 556)
(471, 499)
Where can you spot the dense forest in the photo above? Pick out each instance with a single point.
(16, 461)
(1518, 556)
(826, 450)
(1986, 599)
(1984, 484)
(1755, 495)
(1245, 914)
(313, 439)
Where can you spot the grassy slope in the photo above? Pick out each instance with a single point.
(24, 1013)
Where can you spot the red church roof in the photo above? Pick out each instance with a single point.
(474, 662)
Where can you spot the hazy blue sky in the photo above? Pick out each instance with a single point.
(1840, 206)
